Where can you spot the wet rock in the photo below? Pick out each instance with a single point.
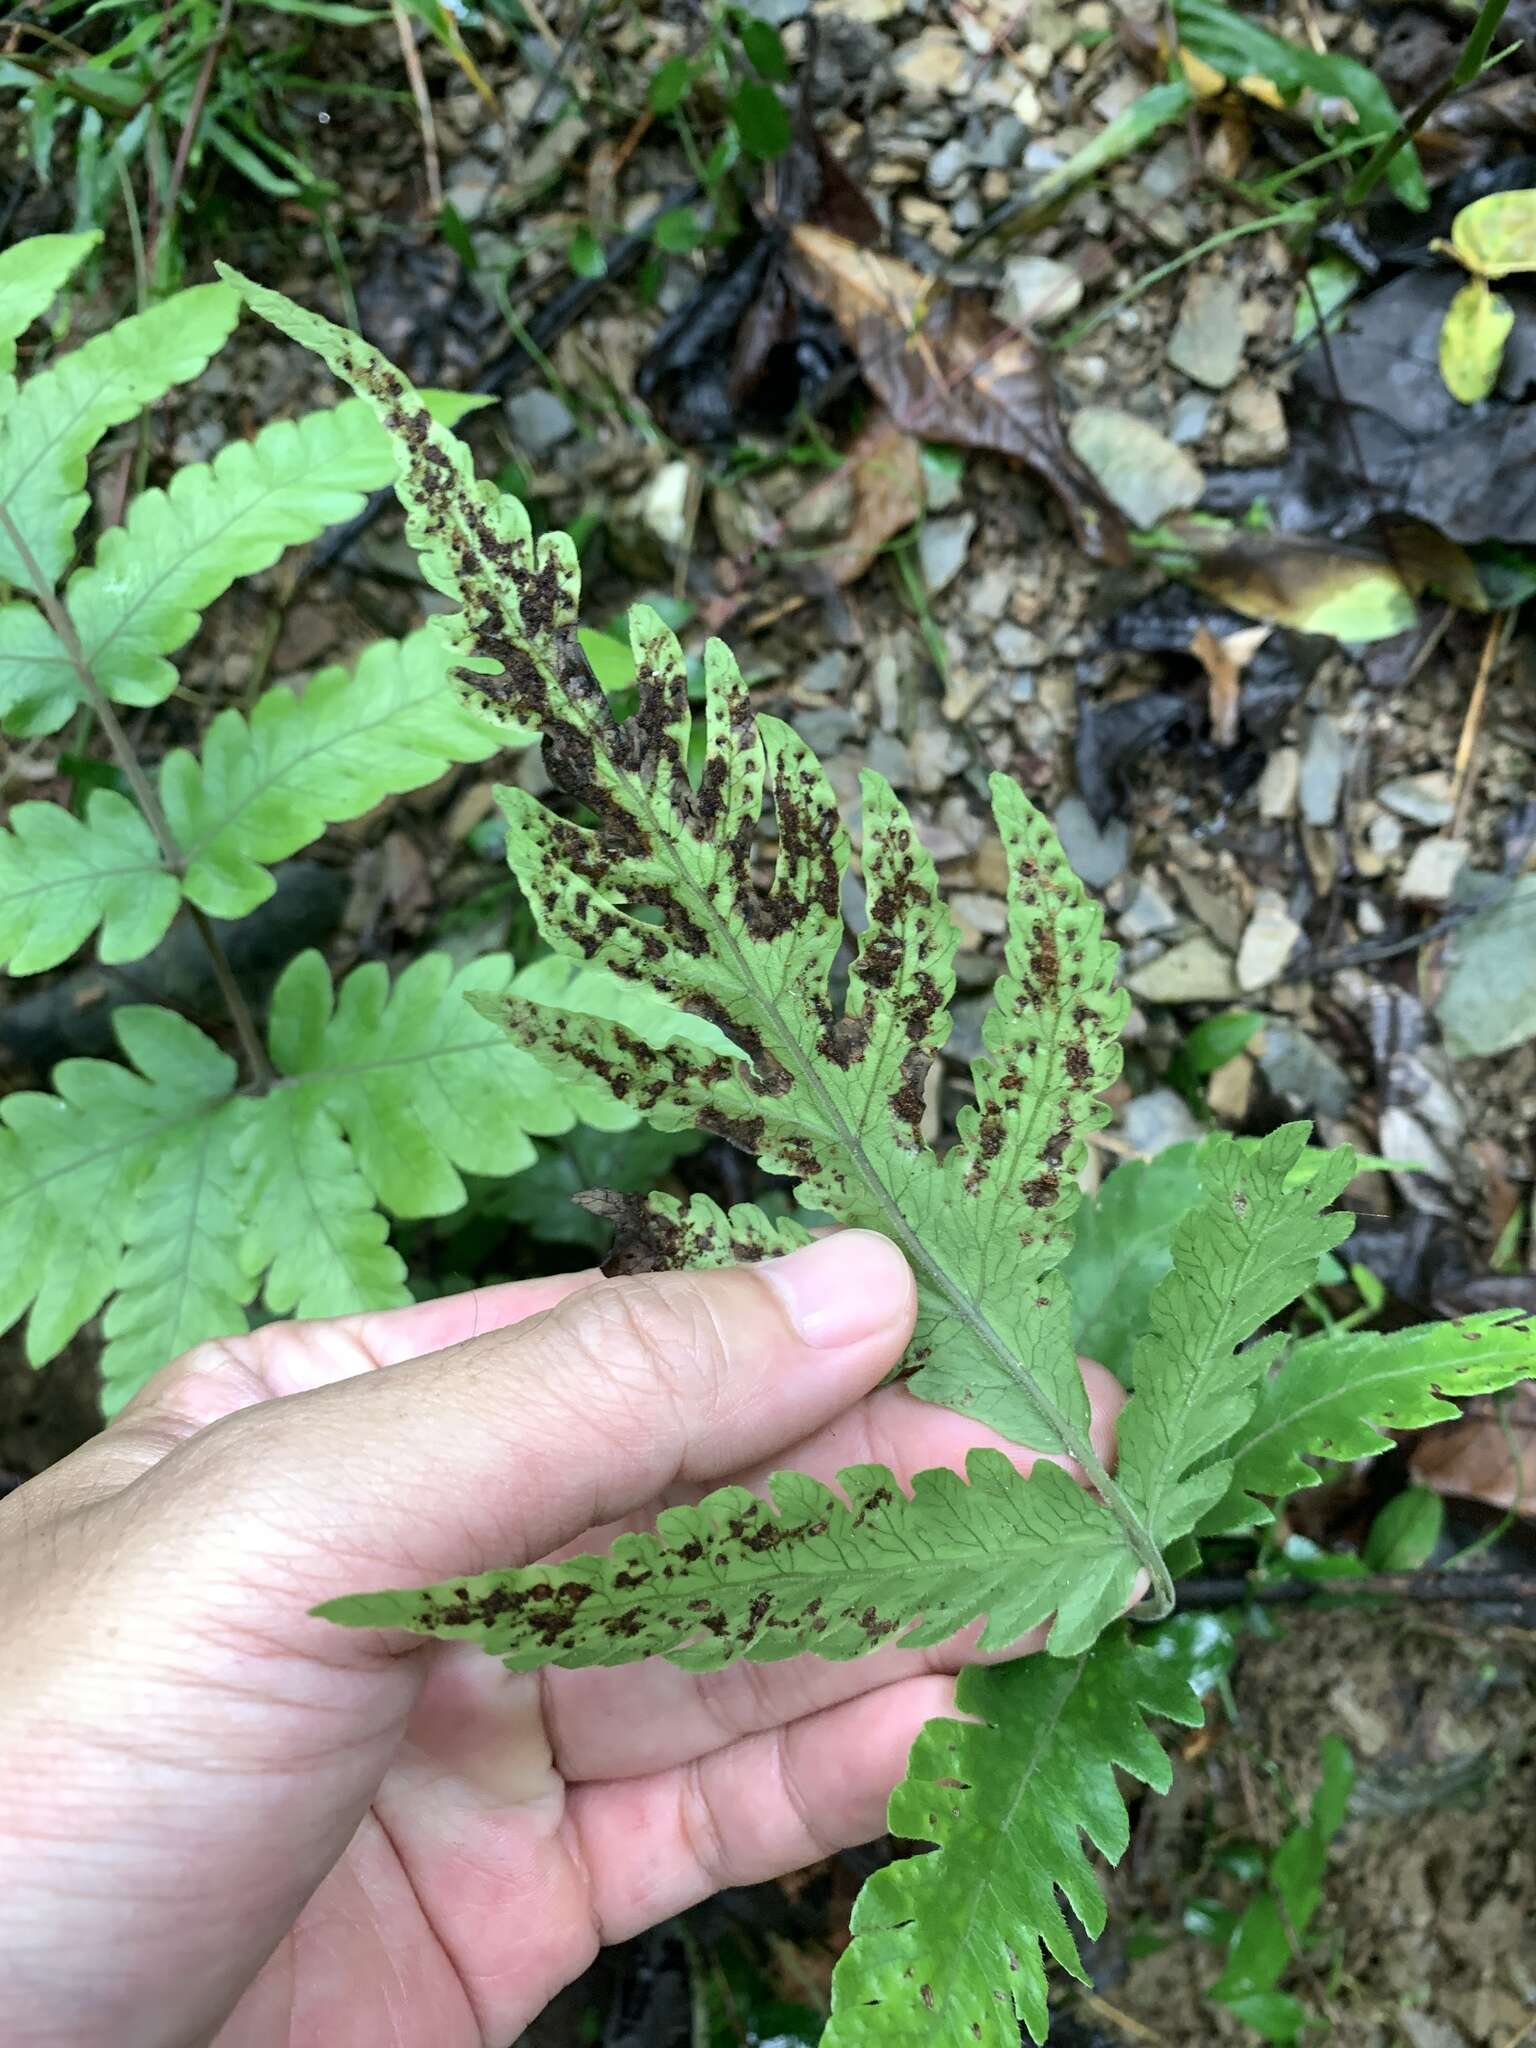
(1207, 343)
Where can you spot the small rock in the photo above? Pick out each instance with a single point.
(472, 188)
(779, 11)
(1385, 835)
(1229, 1091)
(827, 675)
(663, 504)
(986, 913)
(1190, 417)
(987, 598)
(1268, 942)
(1421, 799)
(1431, 873)
(1257, 430)
(947, 166)
(1002, 144)
(1018, 646)
(826, 728)
(1141, 469)
(1322, 771)
(888, 757)
(1423, 2030)
(539, 420)
(1194, 971)
(937, 751)
(1096, 855)
(942, 546)
(1207, 343)
(1149, 910)
(1299, 1069)
(933, 62)
(990, 866)
(1038, 290)
(1157, 1120)
(1278, 785)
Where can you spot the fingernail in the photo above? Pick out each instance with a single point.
(843, 1288)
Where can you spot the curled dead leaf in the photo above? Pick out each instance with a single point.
(947, 369)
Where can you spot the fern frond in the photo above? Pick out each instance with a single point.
(265, 786)
(182, 1278)
(62, 876)
(735, 1577)
(661, 890)
(310, 1220)
(947, 1947)
(72, 1164)
(60, 414)
(1336, 1395)
(1246, 1250)
(179, 548)
(32, 274)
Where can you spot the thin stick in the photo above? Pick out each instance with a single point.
(1455, 1587)
(144, 791)
(1463, 781)
(189, 127)
(411, 58)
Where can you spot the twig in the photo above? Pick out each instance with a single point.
(144, 791)
(189, 128)
(417, 79)
(1463, 782)
(1454, 1587)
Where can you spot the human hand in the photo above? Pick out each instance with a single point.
(223, 1818)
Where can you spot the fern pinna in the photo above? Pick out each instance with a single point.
(663, 887)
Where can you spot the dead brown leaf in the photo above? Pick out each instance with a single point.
(1224, 660)
(1485, 1456)
(947, 369)
(885, 468)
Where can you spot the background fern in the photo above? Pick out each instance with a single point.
(183, 1189)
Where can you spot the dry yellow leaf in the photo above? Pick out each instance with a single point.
(1496, 236)
(1476, 327)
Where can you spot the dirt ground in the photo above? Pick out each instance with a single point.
(1277, 863)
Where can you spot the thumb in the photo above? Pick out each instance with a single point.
(502, 1448)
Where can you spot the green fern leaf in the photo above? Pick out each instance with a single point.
(661, 890)
(62, 412)
(36, 696)
(311, 1223)
(654, 1233)
(423, 1087)
(72, 1164)
(1122, 1245)
(1246, 1250)
(32, 274)
(946, 1947)
(268, 785)
(61, 877)
(736, 1577)
(1337, 1394)
(180, 548)
(182, 1278)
